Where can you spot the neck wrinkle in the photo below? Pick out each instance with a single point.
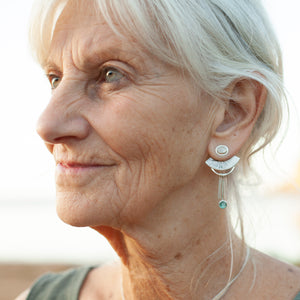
(168, 251)
(185, 273)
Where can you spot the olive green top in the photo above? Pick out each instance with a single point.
(64, 286)
(61, 286)
(297, 297)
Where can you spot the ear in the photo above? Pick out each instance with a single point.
(234, 124)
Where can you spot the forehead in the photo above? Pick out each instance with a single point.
(83, 32)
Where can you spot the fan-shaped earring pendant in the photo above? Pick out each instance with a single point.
(222, 167)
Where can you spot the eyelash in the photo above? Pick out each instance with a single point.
(103, 72)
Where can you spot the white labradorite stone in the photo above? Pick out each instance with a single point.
(222, 150)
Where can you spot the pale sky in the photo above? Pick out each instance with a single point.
(26, 166)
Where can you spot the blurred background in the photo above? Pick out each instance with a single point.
(33, 239)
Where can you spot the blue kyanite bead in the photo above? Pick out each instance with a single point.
(222, 204)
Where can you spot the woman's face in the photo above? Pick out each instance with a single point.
(126, 130)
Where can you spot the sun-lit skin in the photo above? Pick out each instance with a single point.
(130, 136)
(137, 125)
(149, 127)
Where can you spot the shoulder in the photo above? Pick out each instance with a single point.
(102, 283)
(275, 279)
(59, 286)
(82, 283)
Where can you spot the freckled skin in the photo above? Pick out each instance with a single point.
(178, 256)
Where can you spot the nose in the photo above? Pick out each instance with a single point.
(62, 120)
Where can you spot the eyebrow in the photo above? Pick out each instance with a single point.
(50, 64)
(92, 52)
(94, 58)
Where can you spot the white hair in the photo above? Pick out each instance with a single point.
(215, 42)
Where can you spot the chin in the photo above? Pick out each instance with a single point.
(79, 210)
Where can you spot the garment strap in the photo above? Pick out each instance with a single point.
(59, 286)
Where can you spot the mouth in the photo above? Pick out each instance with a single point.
(75, 165)
(72, 167)
(78, 174)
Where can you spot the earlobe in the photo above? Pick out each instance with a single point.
(246, 99)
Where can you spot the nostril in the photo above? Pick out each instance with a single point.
(62, 120)
(49, 147)
(57, 129)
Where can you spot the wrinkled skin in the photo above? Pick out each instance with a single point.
(130, 136)
(144, 130)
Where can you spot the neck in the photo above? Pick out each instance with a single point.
(180, 270)
(181, 252)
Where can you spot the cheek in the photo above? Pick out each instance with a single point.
(130, 130)
(153, 134)
(160, 147)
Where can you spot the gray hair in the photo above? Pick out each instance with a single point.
(215, 42)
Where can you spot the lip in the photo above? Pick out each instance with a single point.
(77, 167)
(77, 174)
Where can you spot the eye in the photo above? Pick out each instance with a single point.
(54, 81)
(111, 75)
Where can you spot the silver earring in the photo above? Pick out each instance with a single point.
(222, 150)
(222, 169)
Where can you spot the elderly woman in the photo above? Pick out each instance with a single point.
(156, 107)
